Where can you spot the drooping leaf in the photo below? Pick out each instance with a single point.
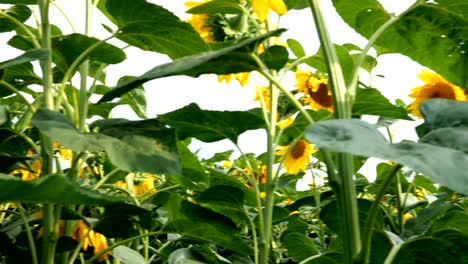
(56, 189)
(127, 255)
(223, 61)
(66, 50)
(193, 175)
(438, 32)
(195, 221)
(28, 56)
(360, 138)
(226, 200)
(145, 146)
(211, 126)
(218, 7)
(159, 31)
(371, 102)
(136, 98)
(20, 12)
(299, 246)
(459, 242)
(425, 250)
(455, 220)
(19, 76)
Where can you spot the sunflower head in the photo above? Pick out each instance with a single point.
(435, 87)
(242, 78)
(297, 156)
(262, 8)
(90, 238)
(315, 89)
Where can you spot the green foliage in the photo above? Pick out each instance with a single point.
(145, 146)
(53, 189)
(223, 61)
(371, 102)
(28, 56)
(211, 126)
(299, 246)
(218, 7)
(176, 38)
(18, 12)
(434, 28)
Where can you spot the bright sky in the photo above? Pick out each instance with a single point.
(171, 93)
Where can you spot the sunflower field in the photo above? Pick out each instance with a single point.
(81, 185)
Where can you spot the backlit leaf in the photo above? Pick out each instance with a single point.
(20, 12)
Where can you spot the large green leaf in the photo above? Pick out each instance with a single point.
(226, 200)
(371, 102)
(433, 34)
(218, 7)
(136, 98)
(193, 175)
(455, 220)
(19, 2)
(443, 165)
(299, 246)
(211, 126)
(151, 27)
(232, 59)
(131, 145)
(196, 221)
(220, 178)
(127, 255)
(425, 250)
(56, 189)
(28, 56)
(459, 242)
(443, 113)
(19, 76)
(183, 256)
(20, 12)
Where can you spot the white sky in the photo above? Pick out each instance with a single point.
(171, 93)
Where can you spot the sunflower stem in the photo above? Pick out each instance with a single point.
(342, 103)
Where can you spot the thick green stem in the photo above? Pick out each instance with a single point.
(369, 230)
(344, 188)
(270, 185)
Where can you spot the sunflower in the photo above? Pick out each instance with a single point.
(315, 90)
(298, 157)
(242, 78)
(96, 240)
(200, 22)
(436, 87)
(262, 8)
(262, 93)
(144, 187)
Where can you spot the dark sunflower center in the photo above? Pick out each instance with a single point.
(443, 92)
(298, 150)
(321, 96)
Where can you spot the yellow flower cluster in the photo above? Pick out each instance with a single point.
(145, 187)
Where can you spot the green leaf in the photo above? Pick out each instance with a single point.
(438, 32)
(55, 189)
(103, 110)
(226, 200)
(218, 7)
(145, 146)
(127, 255)
(459, 242)
(299, 246)
(442, 113)
(193, 175)
(183, 256)
(454, 138)
(317, 61)
(381, 245)
(331, 217)
(211, 126)
(28, 56)
(296, 4)
(296, 47)
(195, 221)
(66, 50)
(425, 250)
(223, 61)
(20, 12)
(159, 31)
(455, 220)
(136, 98)
(275, 57)
(362, 139)
(220, 156)
(371, 102)
(218, 178)
(20, 76)
(19, 2)
(424, 182)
